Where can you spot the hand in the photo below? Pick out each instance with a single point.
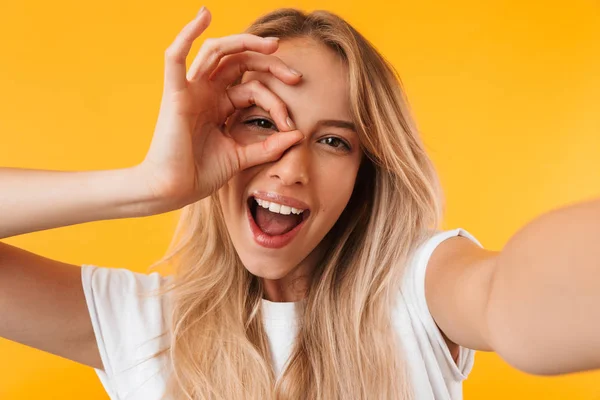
(190, 157)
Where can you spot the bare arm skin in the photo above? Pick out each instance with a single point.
(536, 302)
(35, 200)
(41, 300)
(43, 306)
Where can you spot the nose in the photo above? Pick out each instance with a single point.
(293, 166)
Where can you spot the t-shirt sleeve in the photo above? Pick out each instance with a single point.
(128, 323)
(414, 294)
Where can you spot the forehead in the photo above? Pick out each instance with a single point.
(323, 91)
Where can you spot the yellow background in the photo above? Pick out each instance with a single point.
(506, 93)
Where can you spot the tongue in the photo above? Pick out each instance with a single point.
(274, 223)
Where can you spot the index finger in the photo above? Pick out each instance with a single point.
(177, 52)
(233, 67)
(213, 50)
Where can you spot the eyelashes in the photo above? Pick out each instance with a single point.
(260, 123)
(333, 139)
(263, 124)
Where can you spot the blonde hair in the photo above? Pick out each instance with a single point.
(346, 346)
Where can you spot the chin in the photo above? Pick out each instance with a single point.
(263, 270)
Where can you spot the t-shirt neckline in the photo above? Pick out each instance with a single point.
(285, 311)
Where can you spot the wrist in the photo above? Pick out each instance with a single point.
(144, 200)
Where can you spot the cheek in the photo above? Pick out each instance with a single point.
(233, 195)
(336, 185)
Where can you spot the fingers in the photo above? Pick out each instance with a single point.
(213, 50)
(256, 93)
(233, 67)
(176, 53)
(267, 150)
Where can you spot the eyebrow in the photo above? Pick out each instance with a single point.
(336, 123)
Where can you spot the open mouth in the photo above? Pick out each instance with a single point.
(274, 219)
(274, 228)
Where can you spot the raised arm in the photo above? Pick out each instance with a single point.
(536, 303)
(42, 303)
(35, 200)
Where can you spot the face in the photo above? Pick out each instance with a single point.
(318, 173)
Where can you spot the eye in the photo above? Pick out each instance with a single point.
(261, 124)
(337, 143)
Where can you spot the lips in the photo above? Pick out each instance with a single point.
(265, 240)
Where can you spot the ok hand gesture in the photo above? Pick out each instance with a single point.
(190, 157)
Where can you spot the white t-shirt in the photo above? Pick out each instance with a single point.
(126, 327)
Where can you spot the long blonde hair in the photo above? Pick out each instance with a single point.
(346, 346)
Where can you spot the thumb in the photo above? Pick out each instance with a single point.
(267, 150)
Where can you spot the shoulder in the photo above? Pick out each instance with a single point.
(130, 318)
(433, 255)
(457, 284)
(122, 299)
(120, 278)
(458, 251)
(427, 347)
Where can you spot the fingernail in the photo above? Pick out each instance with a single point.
(291, 123)
(293, 71)
(201, 11)
(273, 38)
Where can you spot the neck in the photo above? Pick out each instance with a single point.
(291, 288)
(294, 286)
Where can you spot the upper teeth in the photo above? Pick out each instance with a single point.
(278, 208)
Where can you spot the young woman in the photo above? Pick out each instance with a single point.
(307, 260)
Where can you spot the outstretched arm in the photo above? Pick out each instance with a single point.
(536, 302)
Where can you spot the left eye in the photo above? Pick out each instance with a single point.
(336, 143)
(261, 123)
